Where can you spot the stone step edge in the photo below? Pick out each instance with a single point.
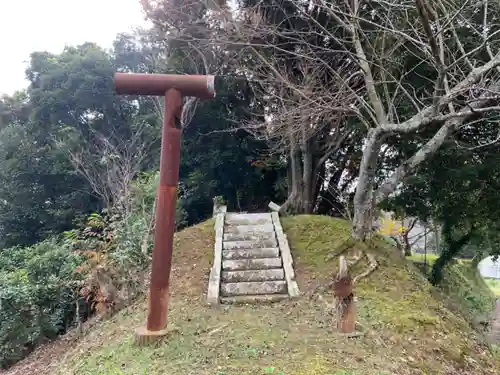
(263, 236)
(250, 269)
(286, 256)
(252, 229)
(253, 299)
(252, 288)
(256, 250)
(275, 274)
(248, 214)
(215, 272)
(267, 226)
(250, 244)
(255, 269)
(251, 260)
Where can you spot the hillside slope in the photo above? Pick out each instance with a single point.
(408, 327)
(463, 287)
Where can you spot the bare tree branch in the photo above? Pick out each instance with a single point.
(109, 164)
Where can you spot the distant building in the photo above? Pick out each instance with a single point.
(490, 268)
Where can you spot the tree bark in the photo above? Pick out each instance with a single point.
(304, 184)
(318, 185)
(363, 199)
(407, 250)
(405, 237)
(307, 177)
(292, 204)
(477, 259)
(329, 202)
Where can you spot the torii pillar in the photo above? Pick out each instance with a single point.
(173, 88)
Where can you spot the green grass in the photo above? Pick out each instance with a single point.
(494, 285)
(431, 258)
(407, 328)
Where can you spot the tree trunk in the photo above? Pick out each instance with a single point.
(318, 186)
(303, 191)
(330, 202)
(477, 259)
(293, 203)
(363, 199)
(398, 244)
(406, 243)
(407, 251)
(451, 250)
(307, 178)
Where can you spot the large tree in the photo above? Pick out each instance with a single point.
(218, 158)
(82, 144)
(422, 70)
(298, 104)
(457, 188)
(41, 193)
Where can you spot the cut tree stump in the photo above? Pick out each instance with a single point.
(344, 299)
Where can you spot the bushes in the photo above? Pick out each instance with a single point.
(37, 296)
(47, 288)
(466, 284)
(145, 193)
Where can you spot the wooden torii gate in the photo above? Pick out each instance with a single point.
(173, 88)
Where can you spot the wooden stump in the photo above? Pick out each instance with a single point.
(344, 299)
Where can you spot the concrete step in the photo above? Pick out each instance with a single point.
(250, 216)
(254, 287)
(251, 299)
(246, 219)
(248, 229)
(251, 264)
(265, 252)
(233, 245)
(253, 275)
(249, 236)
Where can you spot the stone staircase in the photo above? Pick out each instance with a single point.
(252, 260)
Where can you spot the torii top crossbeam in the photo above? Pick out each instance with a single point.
(158, 84)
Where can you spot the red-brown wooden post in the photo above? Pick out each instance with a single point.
(173, 88)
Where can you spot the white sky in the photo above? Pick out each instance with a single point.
(37, 25)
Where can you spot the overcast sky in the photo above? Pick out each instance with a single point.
(35, 25)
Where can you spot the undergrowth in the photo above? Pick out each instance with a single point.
(98, 267)
(463, 289)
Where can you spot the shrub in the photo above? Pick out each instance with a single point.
(37, 299)
(47, 288)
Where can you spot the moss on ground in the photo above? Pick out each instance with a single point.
(408, 328)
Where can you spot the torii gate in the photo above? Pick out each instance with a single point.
(173, 88)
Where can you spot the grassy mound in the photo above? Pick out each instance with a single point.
(408, 328)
